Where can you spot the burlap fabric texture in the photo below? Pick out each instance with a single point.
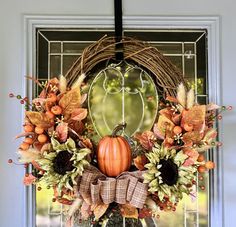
(95, 187)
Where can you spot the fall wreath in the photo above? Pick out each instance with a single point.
(134, 176)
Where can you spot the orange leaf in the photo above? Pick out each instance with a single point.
(70, 101)
(28, 180)
(128, 211)
(79, 114)
(164, 125)
(196, 117)
(192, 137)
(39, 119)
(99, 210)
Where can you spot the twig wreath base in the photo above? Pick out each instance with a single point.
(165, 73)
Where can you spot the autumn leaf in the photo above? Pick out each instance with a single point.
(164, 125)
(39, 119)
(196, 117)
(140, 161)
(62, 131)
(99, 210)
(172, 99)
(128, 211)
(79, 114)
(194, 137)
(70, 101)
(29, 179)
(146, 139)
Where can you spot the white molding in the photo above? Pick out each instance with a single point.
(210, 23)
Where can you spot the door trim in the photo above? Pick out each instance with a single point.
(210, 23)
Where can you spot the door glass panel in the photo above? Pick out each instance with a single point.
(128, 90)
(57, 49)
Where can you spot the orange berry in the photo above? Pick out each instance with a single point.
(210, 165)
(42, 138)
(50, 114)
(57, 110)
(29, 140)
(28, 128)
(188, 127)
(24, 146)
(201, 158)
(39, 130)
(201, 169)
(52, 97)
(177, 130)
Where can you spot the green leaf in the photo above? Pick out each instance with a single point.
(160, 195)
(180, 157)
(56, 145)
(70, 145)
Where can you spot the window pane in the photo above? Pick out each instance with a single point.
(187, 50)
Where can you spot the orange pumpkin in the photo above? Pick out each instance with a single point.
(114, 154)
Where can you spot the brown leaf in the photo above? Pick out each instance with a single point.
(128, 211)
(79, 114)
(76, 127)
(39, 119)
(99, 210)
(86, 142)
(62, 131)
(171, 99)
(140, 161)
(146, 139)
(70, 101)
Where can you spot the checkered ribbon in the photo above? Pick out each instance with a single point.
(95, 187)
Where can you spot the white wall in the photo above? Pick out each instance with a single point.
(11, 79)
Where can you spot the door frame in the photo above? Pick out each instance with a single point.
(210, 23)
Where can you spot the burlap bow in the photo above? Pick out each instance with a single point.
(95, 187)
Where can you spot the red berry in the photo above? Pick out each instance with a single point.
(201, 177)
(10, 161)
(219, 144)
(11, 95)
(202, 187)
(22, 101)
(229, 108)
(219, 117)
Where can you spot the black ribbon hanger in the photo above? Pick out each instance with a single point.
(119, 51)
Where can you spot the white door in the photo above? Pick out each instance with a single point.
(13, 200)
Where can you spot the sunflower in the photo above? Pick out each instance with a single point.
(166, 176)
(63, 164)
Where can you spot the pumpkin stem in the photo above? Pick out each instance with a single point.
(118, 128)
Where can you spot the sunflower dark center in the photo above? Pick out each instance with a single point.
(62, 162)
(169, 172)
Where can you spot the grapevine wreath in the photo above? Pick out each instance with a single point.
(132, 176)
